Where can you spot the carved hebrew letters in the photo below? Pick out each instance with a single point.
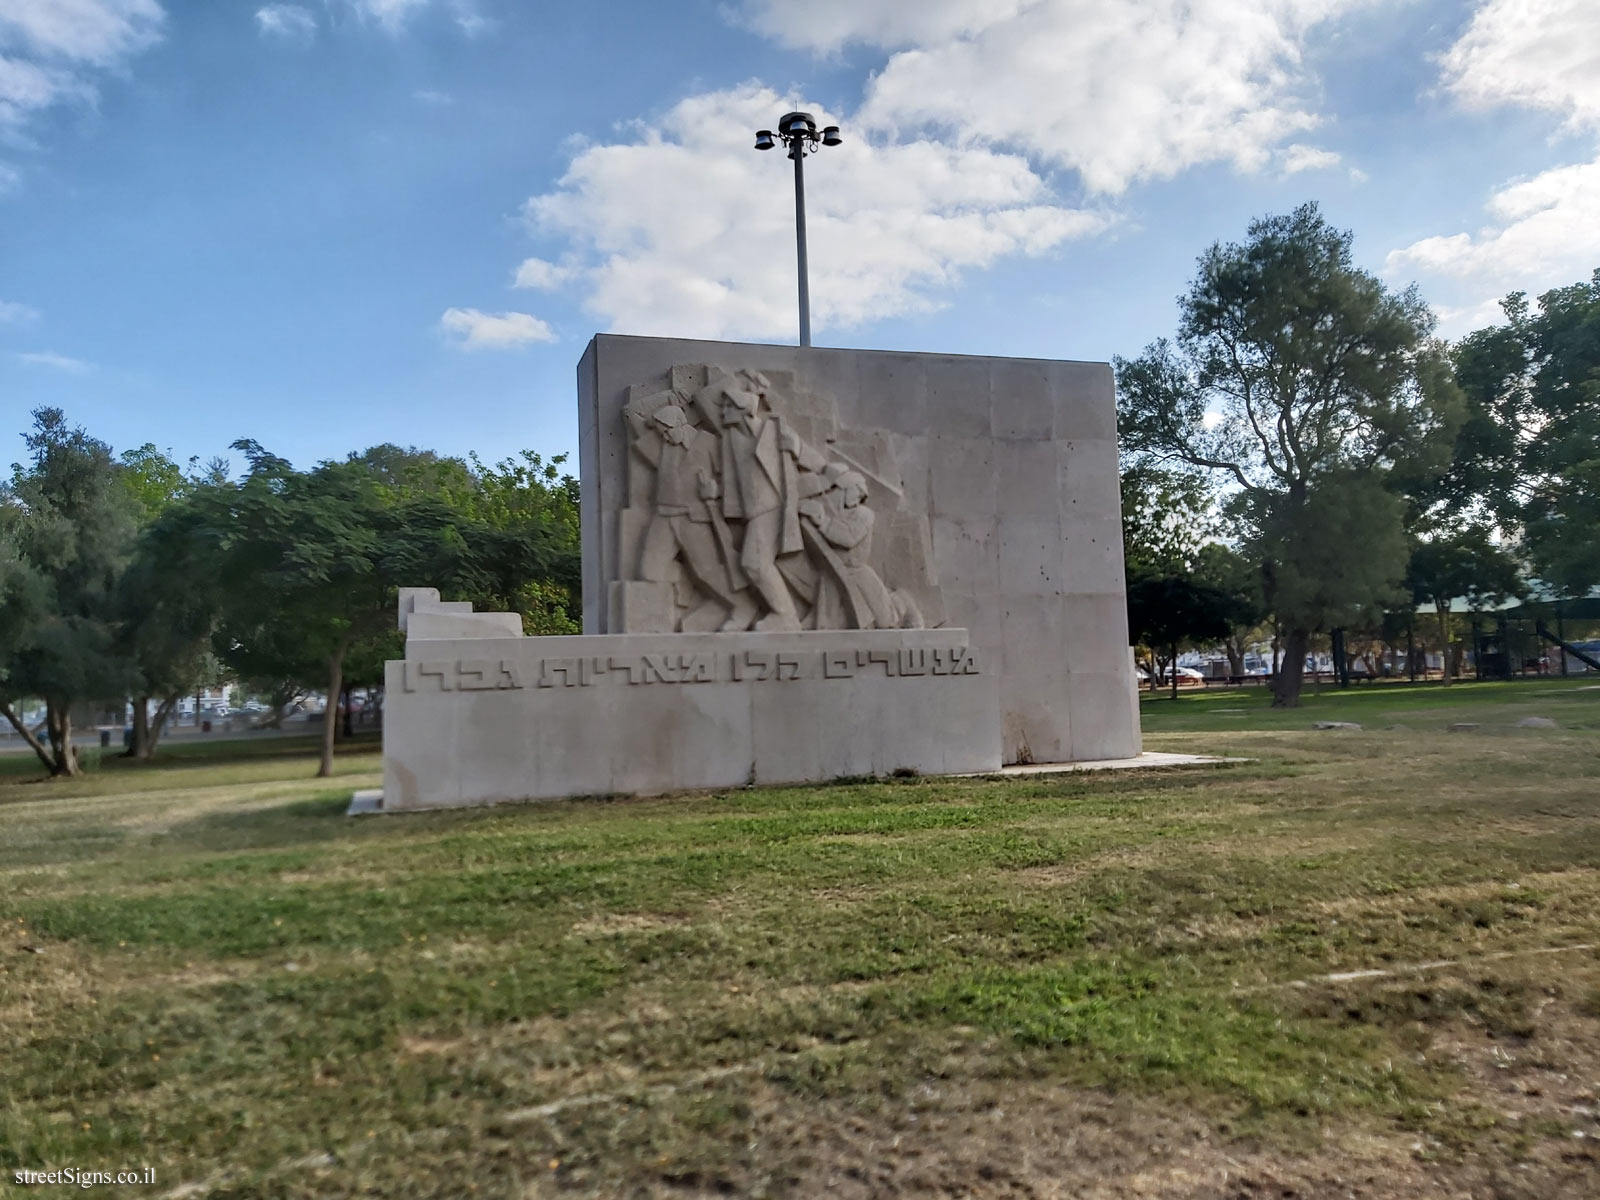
(755, 666)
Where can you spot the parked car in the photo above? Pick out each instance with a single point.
(1188, 675)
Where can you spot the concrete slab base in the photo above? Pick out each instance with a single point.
(1147, 761)
(486, 721)
(370, 800)
(365, 802)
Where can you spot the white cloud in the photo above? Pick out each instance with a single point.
(50, 49)
(1533, 53)
(1545, 231)
(475, 330)
(1300, 157)
(537, 273)
(432, 96)
(14, 313)
(1542, 231)
(394, 15)
(686, 230)
(289, 21)
(98, 32)
(469, 20)
(827, 25)
(1121, 91)
(391, 14)
(54, 361)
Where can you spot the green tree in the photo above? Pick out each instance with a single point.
(24, 600)
(1530, 447)
(529, 556)
(1302, 381)
(312, 559)
(1167, 516)
(1239, 579)
(1463, 564)
(169, 601)
(153, 479)
(66, 528)
(1167, 612)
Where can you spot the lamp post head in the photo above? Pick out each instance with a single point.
(798, 124)
(799, 134)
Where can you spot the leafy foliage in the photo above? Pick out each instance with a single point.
(1529, 452)
(1303, 381)
(65, 534)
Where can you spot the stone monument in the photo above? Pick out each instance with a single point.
(798, 564)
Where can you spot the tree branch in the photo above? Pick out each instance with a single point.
(27, 735)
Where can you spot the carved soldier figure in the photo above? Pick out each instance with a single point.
(686, 484)
(761, 457)
(856, 595)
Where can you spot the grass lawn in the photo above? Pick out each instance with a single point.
(1110, 985)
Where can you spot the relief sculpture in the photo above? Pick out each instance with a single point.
(751, 510)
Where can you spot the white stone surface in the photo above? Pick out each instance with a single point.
(433, 625)
(472, 721)
(1003, 471)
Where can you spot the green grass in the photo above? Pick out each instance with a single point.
(1416, 707)
(242, 987)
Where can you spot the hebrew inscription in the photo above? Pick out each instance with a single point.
(757, 666)
(746, 512)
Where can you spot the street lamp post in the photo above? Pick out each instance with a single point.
(798, 132)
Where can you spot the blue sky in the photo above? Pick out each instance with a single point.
(306, 223)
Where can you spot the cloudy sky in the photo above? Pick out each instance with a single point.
(331, 223)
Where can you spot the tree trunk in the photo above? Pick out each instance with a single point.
(1444, 637)
(349, 726)
(1561, 633)
(1291, 675)
(1174, 670)
(157, 727)
(1277, 639)
(281, 700)
(139, 746)
(27, 735)
(1234, 647)
(330, 717)
(1411, 646)
(58, 723)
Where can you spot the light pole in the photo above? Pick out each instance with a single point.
(798, 132)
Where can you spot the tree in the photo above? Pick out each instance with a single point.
(1463, 564)
(1166, 517)
(1562, 464)
(24, 598)
(1239, 579)
(66, 527)
(314, 558)
(1169, 611)
(170, 598)
(1302, 381)
(1530, 446)
(529, 556)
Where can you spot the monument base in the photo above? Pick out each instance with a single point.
(485, 720)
